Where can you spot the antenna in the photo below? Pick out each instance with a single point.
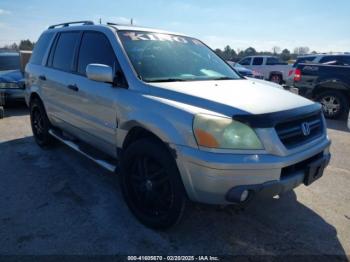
(131, 21)
(100, 20)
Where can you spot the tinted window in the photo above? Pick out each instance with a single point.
(258, 61)
(245, 61)
(304, 60)
(95, 48)
(332, 60)
(64, 52)
(346, 60)
(272, 61)
(40, 48)
(9, 61)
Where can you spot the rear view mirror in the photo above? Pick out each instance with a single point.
(100, 73)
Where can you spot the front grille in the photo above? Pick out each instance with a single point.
(291, 132)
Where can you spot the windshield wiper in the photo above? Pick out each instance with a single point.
(224, 78)
(166, 80)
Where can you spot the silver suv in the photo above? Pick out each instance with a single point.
(171, 118)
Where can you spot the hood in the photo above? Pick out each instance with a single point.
(230, 96)
(268, 83)
(11, 76)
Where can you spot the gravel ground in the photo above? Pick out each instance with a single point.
(57, 202)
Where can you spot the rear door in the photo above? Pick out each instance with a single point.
(257, 65)
(57, 76)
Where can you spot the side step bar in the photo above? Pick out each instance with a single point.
(77, 147)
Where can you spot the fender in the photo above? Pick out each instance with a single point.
(160, 126)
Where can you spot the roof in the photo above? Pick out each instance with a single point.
(9, 54)
(90, 25)
(325, 54)
(140, 28)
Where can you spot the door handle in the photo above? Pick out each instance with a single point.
(73, 87)
(42, 77)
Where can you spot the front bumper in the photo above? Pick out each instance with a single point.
(12, 94)
(209, 176)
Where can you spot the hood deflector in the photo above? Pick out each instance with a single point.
(271, 119)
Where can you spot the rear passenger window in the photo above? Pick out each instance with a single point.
(40, 48)
(95, 48)
(258, 61)
(64, 52)
(331, 60)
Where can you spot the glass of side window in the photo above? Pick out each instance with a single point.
(258, 61)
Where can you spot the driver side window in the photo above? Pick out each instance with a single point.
(95, 48)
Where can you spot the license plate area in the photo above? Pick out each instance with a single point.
(315, 170)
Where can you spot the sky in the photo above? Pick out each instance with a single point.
(322, 25)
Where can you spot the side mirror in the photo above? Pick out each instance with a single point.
(100, 73)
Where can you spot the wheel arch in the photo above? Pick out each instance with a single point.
(276, 73)
(331, 86)
(34, 95)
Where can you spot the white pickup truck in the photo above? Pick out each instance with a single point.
(271, 67)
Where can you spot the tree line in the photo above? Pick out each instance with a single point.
(23, 45)
(230, 54)
(227, 53)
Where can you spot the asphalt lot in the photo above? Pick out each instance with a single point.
(57, 202)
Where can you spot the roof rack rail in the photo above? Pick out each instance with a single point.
(71, 23)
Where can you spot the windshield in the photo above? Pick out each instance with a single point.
(165, 58)
(9, 61)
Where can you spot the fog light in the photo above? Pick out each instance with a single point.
(244, 195)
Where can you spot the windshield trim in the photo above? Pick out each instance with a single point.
(139, 77)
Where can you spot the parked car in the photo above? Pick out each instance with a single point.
(11, 77)
(328, 59)
(171, 118)
(269, 66)
(327, 84)
(245, 71)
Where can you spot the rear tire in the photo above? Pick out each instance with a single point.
(2, 113)
(334, 103)
(276, 78)
(40, 124)
(151, 184)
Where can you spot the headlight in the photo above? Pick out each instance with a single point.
(8, 85)
(224, 133)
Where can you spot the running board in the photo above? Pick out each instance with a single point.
(82, 150)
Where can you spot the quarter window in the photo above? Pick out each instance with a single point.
(272, 61)
(95, 48)
(40, 48)
(65, 49)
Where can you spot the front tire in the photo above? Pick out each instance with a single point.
(334, 104)
(151, 184)
(40, 124)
